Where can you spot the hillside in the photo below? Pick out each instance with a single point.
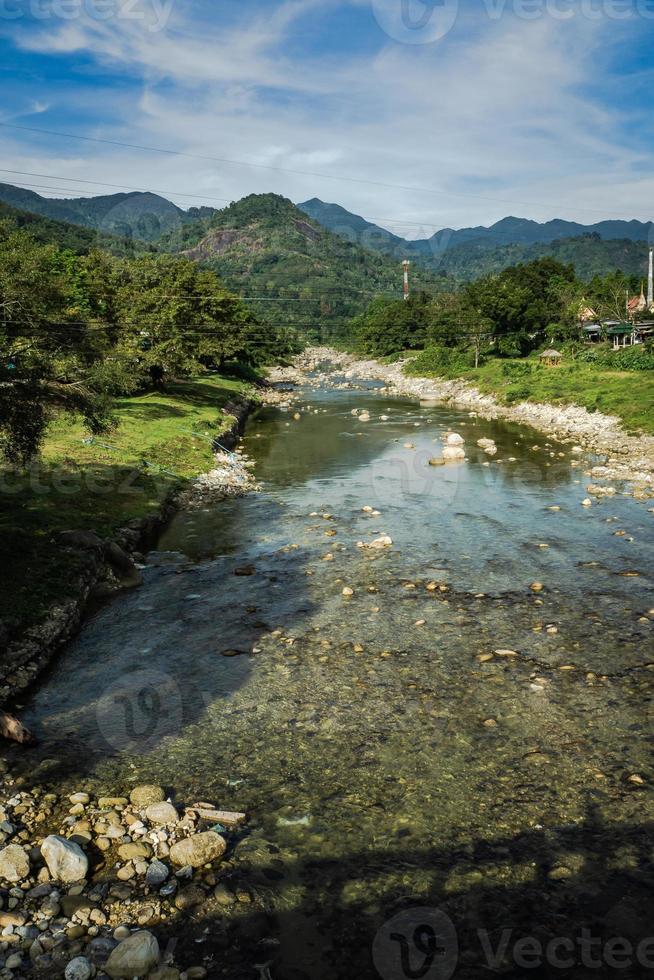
(589, 254)
(291, 270)
(507, 231)
(137, 215)
(74, 238)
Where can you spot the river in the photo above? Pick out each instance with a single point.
(386, 756)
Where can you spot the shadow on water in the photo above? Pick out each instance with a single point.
(584, 907)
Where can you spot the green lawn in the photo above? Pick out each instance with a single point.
(627, 394)
(163, 438)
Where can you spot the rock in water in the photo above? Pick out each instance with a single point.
(198, 850)
(453, 452)
(134, 957)
(66, 860)
(78, 969)
(454, 439)
(14, 863)
(142, 796)
(161, 814)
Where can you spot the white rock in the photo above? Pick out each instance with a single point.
(14, 863)
(66, 860)
(453, 452)
(134, 957)
(78, 969)
(454, 439)
(161, 814)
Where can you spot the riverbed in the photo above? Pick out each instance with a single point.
(469, 730)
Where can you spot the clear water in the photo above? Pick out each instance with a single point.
(383, 765)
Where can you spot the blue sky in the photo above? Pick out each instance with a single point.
(416, 113)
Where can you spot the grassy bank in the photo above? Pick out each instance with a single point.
(162, 439)
(626, 394)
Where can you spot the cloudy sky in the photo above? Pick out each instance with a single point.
(415, 114)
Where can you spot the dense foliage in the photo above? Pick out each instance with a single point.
(77, 330)
(293, 271)
(511, 314)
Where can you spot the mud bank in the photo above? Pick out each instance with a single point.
(623, 457)
(109, 566)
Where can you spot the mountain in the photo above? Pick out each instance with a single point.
(590, 255)
(143, 216)
(351, 226)
(291, 270)
(508, 231)
(75, 238)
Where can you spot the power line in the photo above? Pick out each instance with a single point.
(297, 173)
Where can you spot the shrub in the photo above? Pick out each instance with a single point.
(447, 362)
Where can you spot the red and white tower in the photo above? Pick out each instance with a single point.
(405, 266)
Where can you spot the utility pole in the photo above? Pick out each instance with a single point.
(405, 266)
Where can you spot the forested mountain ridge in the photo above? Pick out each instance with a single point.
(71, 237)
(292, 271)
(139, 215)
(508, 231)
(589, 254)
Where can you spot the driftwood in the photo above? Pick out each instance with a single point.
(14, 730)
(206, 811)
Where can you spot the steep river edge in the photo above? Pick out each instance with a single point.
(111, 565)
(626, 457)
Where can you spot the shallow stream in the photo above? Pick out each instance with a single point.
(386, 761)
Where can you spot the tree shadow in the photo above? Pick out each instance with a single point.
(569, 917)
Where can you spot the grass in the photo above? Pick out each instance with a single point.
(627, 394)
(162, 439)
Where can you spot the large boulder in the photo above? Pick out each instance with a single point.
(80, 540)
(136, 956)
(198, 850)
(454, 439)
(161, 814)
(65, 859)
(14, 863)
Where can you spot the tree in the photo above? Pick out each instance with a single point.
(49, 361)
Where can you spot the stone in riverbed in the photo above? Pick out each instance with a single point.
(131, 852)
(78, 969)
(66, 860)
(134, 957)
(198, 850)
(161, 814)
(14, 863)
(156, 874)
(453, 453)
(454, 439)
(144, 796)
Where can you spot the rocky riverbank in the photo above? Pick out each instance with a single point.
(100, 887)
(623, 457)
(107, 566)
